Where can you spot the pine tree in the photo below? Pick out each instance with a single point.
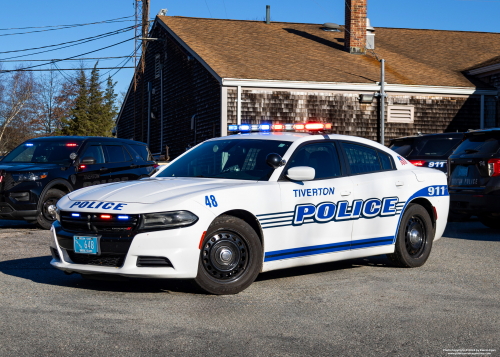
(110, 109)
(77, 123)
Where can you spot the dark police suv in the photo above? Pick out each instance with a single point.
(431, 150)
(474, 177)
(36, 174)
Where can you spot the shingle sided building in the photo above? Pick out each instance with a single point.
(205, 74)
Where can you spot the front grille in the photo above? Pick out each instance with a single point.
(55, 253)
(8, 182)
(108, 260)
(153, 262)
(94, 223)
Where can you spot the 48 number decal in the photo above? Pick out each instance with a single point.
(210, 201)
(437, 191)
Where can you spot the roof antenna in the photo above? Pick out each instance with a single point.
(268, 14)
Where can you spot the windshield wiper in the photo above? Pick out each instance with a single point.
(470, 151)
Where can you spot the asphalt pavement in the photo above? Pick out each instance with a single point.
(362, 307)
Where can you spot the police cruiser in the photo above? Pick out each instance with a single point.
(235, 206)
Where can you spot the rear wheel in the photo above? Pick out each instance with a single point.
(46, 214)
(490, 221)
(414, 240)
(230, 257)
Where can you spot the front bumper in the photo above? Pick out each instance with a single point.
(179, 246)
(474, 203)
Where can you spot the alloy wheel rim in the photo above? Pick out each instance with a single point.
(225, 256)
(46, 212)
(415, 236)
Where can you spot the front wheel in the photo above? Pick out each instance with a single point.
(46, 214)
(414, 240)
(230, 257)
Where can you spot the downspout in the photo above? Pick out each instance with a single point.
(238, 110)
(161, 108)
(481, 121)
(149, 110)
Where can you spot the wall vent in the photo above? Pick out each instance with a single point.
(157, 66)
(400, 113)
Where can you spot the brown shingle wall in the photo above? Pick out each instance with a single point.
(349, 117)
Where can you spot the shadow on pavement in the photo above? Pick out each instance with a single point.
(471, 230)
(6, 224)
(38, 270)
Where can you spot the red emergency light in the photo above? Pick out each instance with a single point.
(105, 216)
(315, 126)
(299, 126)
(71, 145)
(278, 127)
(417, 162)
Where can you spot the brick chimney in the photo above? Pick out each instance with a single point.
(355, 26)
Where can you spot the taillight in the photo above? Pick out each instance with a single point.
(494, 167)
(417, 162)
(1, 179)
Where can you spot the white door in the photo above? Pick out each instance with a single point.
(382, 192)
(310, 223)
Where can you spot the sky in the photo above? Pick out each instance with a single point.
(461, 15)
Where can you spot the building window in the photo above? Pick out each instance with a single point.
(400, 113)
(157, 66)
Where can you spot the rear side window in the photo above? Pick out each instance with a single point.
(115, 153)
(94, 151)
(483, 144)
(402, 147)
(322, 157)
(437, 146)
(142, 151)
(385, 160)
(361, 159)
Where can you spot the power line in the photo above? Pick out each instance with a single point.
(63, 69)
(208, 9)
(65, 43)
(41, 27)
(83, 54)
(62, 28)
(60, 48)
(225, 8)
(74, 59)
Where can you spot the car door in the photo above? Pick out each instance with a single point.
(89, 175)
(312, 221)
(383, 191)
(119, 163)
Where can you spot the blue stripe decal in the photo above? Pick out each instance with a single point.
(326, 248)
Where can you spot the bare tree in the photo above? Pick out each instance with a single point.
(47, 106)
(16, 90)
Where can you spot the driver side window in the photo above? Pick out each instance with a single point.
(322, 157)
(94, 151)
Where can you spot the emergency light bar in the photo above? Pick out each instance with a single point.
(280, 127)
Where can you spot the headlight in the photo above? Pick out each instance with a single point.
(30, 176)
(165, 220)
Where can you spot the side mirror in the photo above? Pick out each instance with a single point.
(88, 160)
(274, 160)
(301, 173)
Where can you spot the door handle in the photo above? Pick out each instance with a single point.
(400, 183)
(104, 169)
(133, 166)
(345, 193)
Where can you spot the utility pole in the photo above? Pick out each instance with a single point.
(145, 31)
(382, 103)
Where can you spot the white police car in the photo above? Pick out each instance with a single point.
(233, 207)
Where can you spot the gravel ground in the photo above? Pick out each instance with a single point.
(360, 307)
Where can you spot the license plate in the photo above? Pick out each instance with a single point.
(463, 171)
(86, 245)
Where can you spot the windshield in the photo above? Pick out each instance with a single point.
(479, 143)
(228, 159)
(43, 152)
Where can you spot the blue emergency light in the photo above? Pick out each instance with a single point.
(123, 217)
(29, 144)
(75, 214)
(245, 127)
(232, 128)
(265, 127)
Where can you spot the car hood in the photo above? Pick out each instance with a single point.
(29, 167)
(150, 190)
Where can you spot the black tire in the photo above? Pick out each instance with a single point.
(490, 221)
(230, 257)
(45, 219)
(414, 240)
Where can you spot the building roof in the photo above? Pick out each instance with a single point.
(304, 52)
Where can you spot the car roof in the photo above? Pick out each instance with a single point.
(84, 138)
(448, 135)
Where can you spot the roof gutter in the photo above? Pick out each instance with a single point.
(356, 87)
